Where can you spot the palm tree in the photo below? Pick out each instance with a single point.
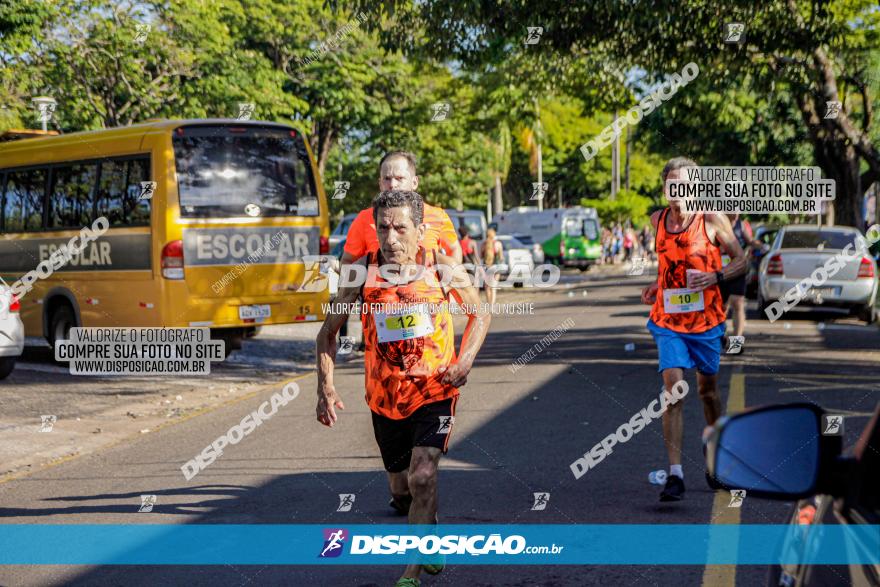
(501, 151)
(530, 139)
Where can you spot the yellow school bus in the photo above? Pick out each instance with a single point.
(202, 223)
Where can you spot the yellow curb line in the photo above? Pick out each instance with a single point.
(725, 575)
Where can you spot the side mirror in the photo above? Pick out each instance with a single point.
(778, 452)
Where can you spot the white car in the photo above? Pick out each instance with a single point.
(798, 251)
(537, 250)
(518, 263)
(11, 331)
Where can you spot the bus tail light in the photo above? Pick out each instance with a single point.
(562, 248)
(866, 269)
(774, 265)
(172, 260)
(324, 246)
(14, 304)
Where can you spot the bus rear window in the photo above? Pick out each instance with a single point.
(229, 171)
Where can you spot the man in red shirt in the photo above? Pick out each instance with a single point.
(468, 246)
(397, 171)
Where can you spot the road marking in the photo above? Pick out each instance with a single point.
(171, 422)
(821, 386)
(795, 376)
(725, 575)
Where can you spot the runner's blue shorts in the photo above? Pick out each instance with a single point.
(688, 350)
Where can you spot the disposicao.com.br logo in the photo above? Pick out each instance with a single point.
(429, 544)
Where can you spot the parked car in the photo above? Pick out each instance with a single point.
(537, 250)
(11, 331)
(799, 250)
(765, 234)
(473, 219)
(794, 452)
(341, 230)
(518, 263)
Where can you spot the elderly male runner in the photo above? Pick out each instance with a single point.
(412, 372)
(688, 323)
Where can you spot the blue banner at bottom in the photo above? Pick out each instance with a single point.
(527, 544)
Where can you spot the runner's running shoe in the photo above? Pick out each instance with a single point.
(437, 565)
(674, 490)
(400, 506)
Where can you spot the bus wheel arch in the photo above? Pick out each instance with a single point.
(60, 313)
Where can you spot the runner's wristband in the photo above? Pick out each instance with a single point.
(719, 277)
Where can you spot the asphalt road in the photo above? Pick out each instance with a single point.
(515, 434)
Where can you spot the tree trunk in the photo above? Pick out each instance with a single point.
(626, 167)
(497, 200)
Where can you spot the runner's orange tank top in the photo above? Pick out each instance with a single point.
(678, 252)
(401, 375)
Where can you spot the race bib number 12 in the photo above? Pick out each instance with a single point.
(678, 301)
(414, 323)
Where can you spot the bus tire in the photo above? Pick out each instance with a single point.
(7, 364)
(60, 323)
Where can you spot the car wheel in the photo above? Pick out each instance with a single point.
(7, 364)
(868, 314)
(60, 323)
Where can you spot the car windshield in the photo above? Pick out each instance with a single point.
(525, 239)
(573, 226)
(511, 242)
(817, 239)
(591, 229)
(473, 223)
(342, 228)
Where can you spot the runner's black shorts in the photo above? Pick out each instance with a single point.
(733, 287)
(430, 425)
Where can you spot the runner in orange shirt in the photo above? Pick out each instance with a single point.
(687, 314)
(412, 372)
(397, 171)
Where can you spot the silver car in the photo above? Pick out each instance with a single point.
(518, 264)
(792, 273)
(11, 331)
(341, 231)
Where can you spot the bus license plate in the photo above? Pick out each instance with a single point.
(253, 312)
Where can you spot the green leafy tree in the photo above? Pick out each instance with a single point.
(815, 52)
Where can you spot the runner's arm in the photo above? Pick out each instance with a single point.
(649, 293)
(479, 318)
(750, 236)
(449, 238)
(720, 225)
(325, 351)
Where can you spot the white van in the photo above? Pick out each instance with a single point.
(568, 236)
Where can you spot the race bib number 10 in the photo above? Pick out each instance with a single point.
(415, 323)
(678, 301)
